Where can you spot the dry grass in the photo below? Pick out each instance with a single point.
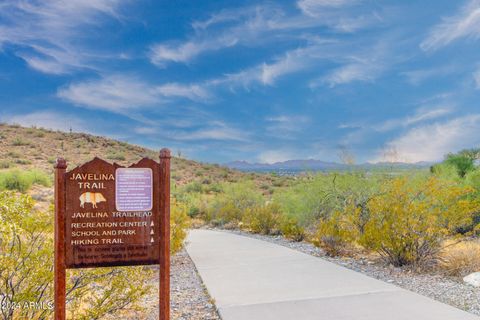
(461, 259)
(28, 148)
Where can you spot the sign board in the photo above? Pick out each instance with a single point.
(112, 214)
(109, 215)
(134, 189)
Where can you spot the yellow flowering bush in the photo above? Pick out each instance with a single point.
(262, 219)
(179, 223)
(409, 219)
(26, 267)
(335, 234)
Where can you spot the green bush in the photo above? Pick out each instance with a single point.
(263, 219)
(472, 178)
(230, 205)
(4, 164)
(179, 223)
(18, 180)
(445, 171)
(335, 235)
(410, 219)
(26, 269)
(23, 161)
(113, 155)
(193, 187)
(290, 228)
(317, 197)
(19, 142)
(463, 163)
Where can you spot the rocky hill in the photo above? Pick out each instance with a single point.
(28, 148)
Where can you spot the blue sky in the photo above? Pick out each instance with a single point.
(249, 80)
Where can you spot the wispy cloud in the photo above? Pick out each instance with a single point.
(268, 73)
(315, 7)
(194, 92)
(464, 24)
(416, 77)
(161, 54)
(420, 115)
(47, 34)
(113, 93)
(255, 26)
(432, 141)
(215, 130)
(364, 66)
(119, 93)
(49, 120)
(357, 71)
(286, 126)
(476, 78)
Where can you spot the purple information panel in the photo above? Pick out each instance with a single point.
(134, 189)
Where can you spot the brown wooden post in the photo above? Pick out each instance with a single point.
(164, 234)
(59, 268)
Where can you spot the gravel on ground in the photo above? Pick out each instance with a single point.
(189, 299)
(449, 290)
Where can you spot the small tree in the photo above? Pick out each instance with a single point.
(463, 163)
(230, 205)
(409, 220)
(262, 219)
(26, 269)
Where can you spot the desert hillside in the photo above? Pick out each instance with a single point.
(27, 148)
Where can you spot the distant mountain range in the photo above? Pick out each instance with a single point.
(319, 165)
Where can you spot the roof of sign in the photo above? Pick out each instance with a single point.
(99, 163)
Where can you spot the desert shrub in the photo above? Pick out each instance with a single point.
(213, 188)
(472, 178)
(116, 155)
(193, 212)
(19, 180)
(179, 223)
(409, 219)
(39, 177)
(445, 171)
(291, 229)
(335, 234)
(318, 196)
(23, 161)
(4, 164)
(461, 162)
(230, 205)
(13, 154)
(195, 202)
(192, 187)
(26, 269)
(262, 219)
(19, 142)
(461, 259)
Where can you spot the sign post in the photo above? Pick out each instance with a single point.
(109, 215)
(59, 266)
(164, 292)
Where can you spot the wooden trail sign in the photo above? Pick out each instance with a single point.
(109, 215)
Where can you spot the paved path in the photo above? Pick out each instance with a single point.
(251, 279)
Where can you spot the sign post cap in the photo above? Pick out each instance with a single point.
(165, 153)
(60, 163)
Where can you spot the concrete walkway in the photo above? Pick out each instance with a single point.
(251, 279)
